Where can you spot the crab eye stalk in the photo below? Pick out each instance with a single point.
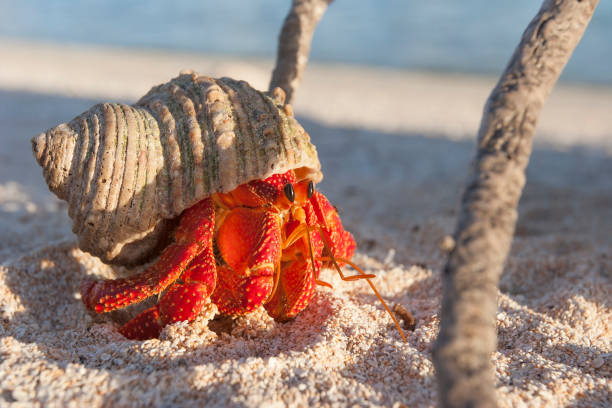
(310, 189)
(289, 192)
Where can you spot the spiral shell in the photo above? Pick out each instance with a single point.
(126, 170)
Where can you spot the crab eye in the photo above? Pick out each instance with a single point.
(289, 192)
(310, 189)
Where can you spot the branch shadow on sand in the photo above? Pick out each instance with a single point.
(395, 191)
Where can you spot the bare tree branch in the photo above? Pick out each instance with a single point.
(489, 204)
(294, 44)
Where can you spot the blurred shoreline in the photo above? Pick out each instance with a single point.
(442, 36)
(342, 95)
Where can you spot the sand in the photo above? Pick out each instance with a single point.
(395, 148)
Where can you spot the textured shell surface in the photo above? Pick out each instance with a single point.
(127, 171)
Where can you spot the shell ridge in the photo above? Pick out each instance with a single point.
(268, 136)
(104, 168)
(256, 118)
(286, 131)
(159, 194)
(211, 163)
(168, 195)
(179, 105)
(180, 160)
(73, 183)
(194, 133)
(284, 152)
(107, 212)
(76, 169)
(197, 134)
(223, 135)
(46, 155)
(50, 159)
(39, 149)
(112, 211)
(156, 171)
(137, 200)
(66, 155)
(130, 169)
(244, 138)
(126, 231)
(91, 159)
(78, 226)
(296, 142)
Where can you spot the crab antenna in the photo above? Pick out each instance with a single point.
(353, 265)
(363, 275)
(304, 229)
(323, 283)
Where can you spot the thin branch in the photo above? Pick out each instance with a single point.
(489, 204)
(294, 44)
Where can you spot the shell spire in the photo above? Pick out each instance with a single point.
(126, 171)
(53, 150)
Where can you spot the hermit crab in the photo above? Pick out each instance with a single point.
(213, 179)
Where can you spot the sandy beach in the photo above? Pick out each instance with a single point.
(395, 148)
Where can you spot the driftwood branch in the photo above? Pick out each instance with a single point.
(294, 44)
(489, 204)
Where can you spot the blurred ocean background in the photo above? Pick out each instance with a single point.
(468, 36)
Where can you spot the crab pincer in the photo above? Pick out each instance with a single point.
(249, 242)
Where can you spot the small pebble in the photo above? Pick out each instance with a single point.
(447, 244)
(598, 362)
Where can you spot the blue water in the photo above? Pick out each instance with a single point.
(473, 36)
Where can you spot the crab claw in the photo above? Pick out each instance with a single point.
(249, 241)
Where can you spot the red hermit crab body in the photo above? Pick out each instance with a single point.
(222, 169)
(243, 249)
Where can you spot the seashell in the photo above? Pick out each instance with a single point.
(127, 171)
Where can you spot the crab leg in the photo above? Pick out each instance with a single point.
(250, 244)
(339, 241)
(183, 301)
(192, 236)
